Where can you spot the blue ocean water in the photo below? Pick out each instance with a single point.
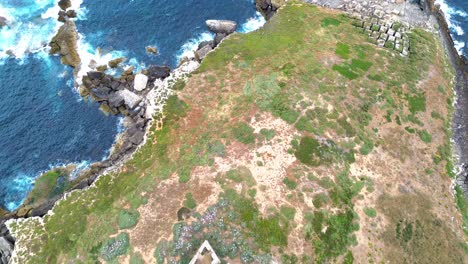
(174, 27)
(456, 12)
(43, 121)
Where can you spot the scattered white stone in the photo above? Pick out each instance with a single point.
(140, 82)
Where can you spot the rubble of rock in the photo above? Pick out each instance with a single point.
(385, 34)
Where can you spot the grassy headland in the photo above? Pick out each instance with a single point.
(299, 142)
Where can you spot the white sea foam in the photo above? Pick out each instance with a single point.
(191, 45)
(253, 23)
(459, 45)
(449, 13)
(21, 184)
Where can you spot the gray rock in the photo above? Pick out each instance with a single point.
(130, 98)
(222, 26)
(101, 93)
(201, 53)
(71, 13)
(116, 100)
(137, 137)
(6, 248)
(158, 72)
(218, 38)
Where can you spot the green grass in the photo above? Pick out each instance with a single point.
(342, 50)
(243, 133)
(190, 201)
(291, 184)
(179, 85)
(462, 205)
(425, 136)
(269, 134)
(346, 71)
(128, 219)
(417, 103)
(288, 212)
(370, 212)
(329, 21)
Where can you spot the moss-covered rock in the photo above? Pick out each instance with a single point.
(64, 43)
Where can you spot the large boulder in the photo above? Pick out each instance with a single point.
(115, 62)
(158, 72)
(222, 26)
(140, 82)
(130, 98)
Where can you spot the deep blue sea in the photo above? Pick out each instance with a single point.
(43, 121)
(456, 12)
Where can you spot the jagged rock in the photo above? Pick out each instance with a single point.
(201, 53)
(115, 63)
(6, 248)
(151, 50)
(140, 82)
(71, 13)
(62, 16)
(158, 72)
(130, 98)
(116, 100)
(95, 75)
(64, 4)
(267, 7)
(222, 26)
(101, 68)
(137, 137)
(218, 38)
(101, 93)
(65, 44)
(204, 43)
(128, 71)
(3, 21)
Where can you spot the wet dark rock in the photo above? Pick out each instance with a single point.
(101, 68)
(115, 85)
(101, 93)
(95, 75)
(62, 16)
(158, 72)
(204, 43)
(266, 7)
(71, 13)
(64, 4)
(115, 63)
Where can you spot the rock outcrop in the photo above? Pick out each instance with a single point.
(64, 43)
(268, 7)
(151, 50)
(6, 243)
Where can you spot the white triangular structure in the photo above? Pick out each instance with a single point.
(205, 255)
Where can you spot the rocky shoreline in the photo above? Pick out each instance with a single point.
(138, 97)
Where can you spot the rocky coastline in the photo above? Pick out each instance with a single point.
(136, 96)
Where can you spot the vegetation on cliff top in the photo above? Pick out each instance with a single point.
(288, 143)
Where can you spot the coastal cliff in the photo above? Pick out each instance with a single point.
(281, 140)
